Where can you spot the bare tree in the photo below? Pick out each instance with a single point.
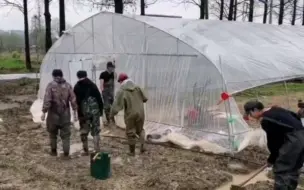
(23, 8)
(235, 10)
(222, 10)
(281, 13)
(142, 7)
(48, 30)
(144, 4)
(219, 9)
(61, 17)
(26, 37)
(36, 34)
(118, 5)
(265, 12)
(38, 27)
(206, 9)
(251, 10)
(294, 12)
(201, 4)
(303, 14)
(230, 14)
(283, 10)
(55, 26)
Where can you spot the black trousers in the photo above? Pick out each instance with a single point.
(289, 162)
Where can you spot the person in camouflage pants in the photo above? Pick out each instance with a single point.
(90, 107)
(107, 81)
(58, 96)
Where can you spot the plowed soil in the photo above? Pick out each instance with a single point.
(26, 165)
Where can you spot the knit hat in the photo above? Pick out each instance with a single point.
(122, 77)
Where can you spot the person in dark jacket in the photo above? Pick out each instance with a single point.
(90, 109)
(285, 141)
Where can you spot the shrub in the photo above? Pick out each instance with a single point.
(16, 55)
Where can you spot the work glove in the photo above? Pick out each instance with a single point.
(75, 118)
(43, 117)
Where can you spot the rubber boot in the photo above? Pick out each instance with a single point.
(96, 140)
(66, 147)
(112, 121)
(108, 120)
(142, 141)
(53, 143)
(85, 145)
(131, 150)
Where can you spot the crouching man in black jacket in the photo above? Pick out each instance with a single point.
(285, 140)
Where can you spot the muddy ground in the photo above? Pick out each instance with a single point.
(26, 165)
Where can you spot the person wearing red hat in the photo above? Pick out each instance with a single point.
(131, 98)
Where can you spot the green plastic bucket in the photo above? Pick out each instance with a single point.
(101, 165)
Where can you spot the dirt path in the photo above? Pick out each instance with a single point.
(26, 165)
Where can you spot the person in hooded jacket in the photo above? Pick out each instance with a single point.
(131, 98)
(285, 141)
(90, 109)
(56, 103)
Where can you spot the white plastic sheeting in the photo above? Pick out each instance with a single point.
(184, 66)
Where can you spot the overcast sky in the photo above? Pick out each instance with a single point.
(12, 19)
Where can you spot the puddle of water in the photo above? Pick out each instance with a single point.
(4, 106)
(237, 179)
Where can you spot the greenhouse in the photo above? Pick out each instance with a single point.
(185, 66)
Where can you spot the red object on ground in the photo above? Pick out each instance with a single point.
(225, 96)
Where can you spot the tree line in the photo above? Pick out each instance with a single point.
(232, 10)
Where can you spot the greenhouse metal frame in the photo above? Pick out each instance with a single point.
(184, 65)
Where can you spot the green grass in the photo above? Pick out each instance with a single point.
(274, 94)
(9, 64)
(272, 90)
